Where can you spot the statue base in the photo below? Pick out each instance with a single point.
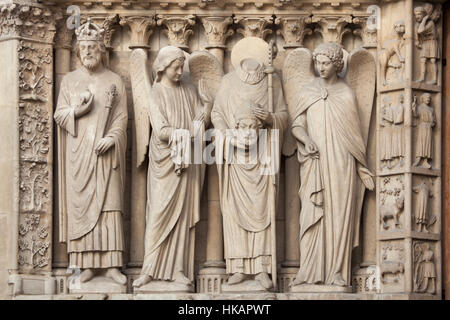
(247, 286)
(321, 288)
(97, 285)
(164, 286)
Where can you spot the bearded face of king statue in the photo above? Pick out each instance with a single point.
(90, 53)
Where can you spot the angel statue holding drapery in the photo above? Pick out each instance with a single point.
(330, 119)
(177, 113)
(250, 98)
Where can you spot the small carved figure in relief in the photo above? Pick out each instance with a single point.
(426, 39)
(330, 121)
(391, 267)
(425, 269)
(247, 195)
(392, 145)
(422, 218)
(177, 111)
(392, 210)
(426, 121)
(92, 117)
(392, 60)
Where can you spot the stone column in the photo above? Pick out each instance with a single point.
(293, 30)
(141, 29)
(212, 274)
(63, 46)
(26, 125)
(409, 251)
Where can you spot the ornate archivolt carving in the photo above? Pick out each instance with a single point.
(332, 27)
(294, 29)
(254, 26)
(141, 29)
(179, 29)
(217, 30)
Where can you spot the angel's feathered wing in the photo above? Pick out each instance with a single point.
(361, 77)
(203, 65)
(298, 70)
(141, 86)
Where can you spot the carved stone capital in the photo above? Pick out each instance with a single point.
(141, 30)
(178, 29)
(217, 31)
(254, 26)
(332, 28)
(367, 32)
(293, 29)
(28, 21)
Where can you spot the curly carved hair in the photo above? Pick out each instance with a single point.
(333, 51)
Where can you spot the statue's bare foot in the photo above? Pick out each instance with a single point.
(296, 282)
(142, 280)
(181, 278)
(338, 281)
(426, 165)
(87, 275)
(416, 163)
(264, 279)
(116, 275)
(236, 278)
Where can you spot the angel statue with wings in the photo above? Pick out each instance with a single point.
(172, 106)
(249, 98)
(330, 120)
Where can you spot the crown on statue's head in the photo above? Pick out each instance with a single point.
(89, 31)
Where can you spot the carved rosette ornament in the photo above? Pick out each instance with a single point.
(294, 29)
(141, 29)
(254, 26)
(217, 31)
(332, 27)
(178, 29)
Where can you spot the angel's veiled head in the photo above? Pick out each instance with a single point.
(329, 59)
(169, 64)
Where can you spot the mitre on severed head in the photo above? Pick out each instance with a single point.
(250, 48)
(89, 31)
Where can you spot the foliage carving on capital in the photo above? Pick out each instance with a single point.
(178, 29)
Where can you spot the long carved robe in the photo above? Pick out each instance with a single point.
(91, 187)
(427, 120)
(398, 141)
(247, 198)
(173, 201)
(329, 217)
